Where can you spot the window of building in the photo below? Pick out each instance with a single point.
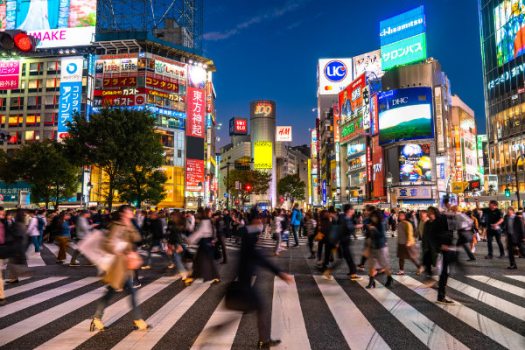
(35, 68)
(17, 102)
(33, 102)
(15, 138)
(16, 120)
(31, 135)
(2, 121)
(51, 83)
(52, 66)
(50, 101)
(50, 119)
(49, 134)
(33, 120)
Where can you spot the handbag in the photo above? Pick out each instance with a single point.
(134, 260)
(319, 236)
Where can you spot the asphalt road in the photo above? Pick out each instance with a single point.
(51, 309)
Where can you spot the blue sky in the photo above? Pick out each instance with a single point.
(269, 49)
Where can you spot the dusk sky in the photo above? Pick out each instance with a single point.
(269, 49)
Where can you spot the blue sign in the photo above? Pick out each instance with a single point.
(70, 98)
(403, 26)
(323, 191)
(335, 71)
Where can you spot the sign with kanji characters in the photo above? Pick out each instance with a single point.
(120, 97)
(413, 192)
(70, 93)
(9, 75)
(194, 175)
(196, 112)
(283, 133)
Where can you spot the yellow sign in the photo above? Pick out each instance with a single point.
(263, 155)
(459, 187)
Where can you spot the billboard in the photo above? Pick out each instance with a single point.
(368, 63)
(194, 175)
(404, 52)
(55, 23)
(509, 24)
(400, 27)
(238, 126)
(378, 171)
(70, 92)
(283, 133)
(405, 114)
(420, 192)
(263, 155)
(196, 113)
(9, 75)
(115, 64)
(333, 75)
(351, 129)
(351, 98)
(415, 164)
(262, 108)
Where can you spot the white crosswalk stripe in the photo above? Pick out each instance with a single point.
(517, 278)
(289, 303)
(34, 259)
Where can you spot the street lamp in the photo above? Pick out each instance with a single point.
(389, 180)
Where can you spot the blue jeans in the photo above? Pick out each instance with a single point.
(295, 231)
(103, 302)
(177, 259)
(36, 242)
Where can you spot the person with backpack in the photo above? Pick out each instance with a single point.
(33, 232)
(295, 222)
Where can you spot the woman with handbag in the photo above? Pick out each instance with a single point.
(120, 241)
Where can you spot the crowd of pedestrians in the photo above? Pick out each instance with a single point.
(194, 243)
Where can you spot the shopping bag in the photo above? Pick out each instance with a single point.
(91, 248)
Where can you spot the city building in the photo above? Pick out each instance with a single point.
(503, 62)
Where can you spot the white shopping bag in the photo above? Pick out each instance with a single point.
(91, 248)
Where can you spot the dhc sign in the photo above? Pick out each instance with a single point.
(335, 71)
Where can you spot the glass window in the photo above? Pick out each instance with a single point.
(49, 134)
(34, 83)
(52, 66)
(51, 83)
(50, 119)
(33, 120)
(17, 102)
(49, 100)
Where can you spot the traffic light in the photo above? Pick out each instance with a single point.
(17, 40)
(248, 188)
(507, 192)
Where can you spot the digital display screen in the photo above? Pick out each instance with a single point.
(415, 164)
(509, 24)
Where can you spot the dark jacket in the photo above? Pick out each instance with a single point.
(155, 229)
(439, 233)
(377, 236)
(174, 234)
(518, 231)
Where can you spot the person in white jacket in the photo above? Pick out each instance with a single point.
(83, 229)
(33, 232)
(204, 266)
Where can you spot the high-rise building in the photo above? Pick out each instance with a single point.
(502, 48)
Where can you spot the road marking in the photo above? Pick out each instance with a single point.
(34, 259)
(34, 322)
(164, 319)
(489, 299)
(33, 285)
(429, 333)
(358, 332)
(495, 331)
(54, 249)
(287, 317)
(44, 296)
(516, 277)
(79, 334)
(507, 287)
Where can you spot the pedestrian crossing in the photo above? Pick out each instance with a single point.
(360, 314)
(265, 242)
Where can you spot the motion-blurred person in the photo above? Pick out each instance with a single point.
(378, 250)
(33, 232)
(513, 228)
(204, 265)
(310, 226)
(156, 230)
(494, 221)
(120, 242)
(406, 244)
(83, 229)
(295, 223)
(63, 236)
(464, 227)
(175, 240)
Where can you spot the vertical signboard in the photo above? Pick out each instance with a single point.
(263, 155)
(196, 112)
(378, 170)
(194, 175)
(9, 75)
(70, 92)
(440, 135)
(337, 122)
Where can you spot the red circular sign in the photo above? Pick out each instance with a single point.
(139, 100)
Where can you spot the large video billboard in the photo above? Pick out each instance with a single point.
(334, 75)
(263, 155)
(405, 114)
(55, 23)
(403, 26)
(415, 164)
(509, 23)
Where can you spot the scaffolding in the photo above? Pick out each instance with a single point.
(171, 22)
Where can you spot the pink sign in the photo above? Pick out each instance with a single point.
(196, 112)
(9, 75)
(194, 175)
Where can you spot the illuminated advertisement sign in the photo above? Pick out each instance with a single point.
(351, 129)
(374, 115)
(355, 147)
(334, 75)
(405, 114)
(509, 24)
(116, 65)
(238, 126)
(196, 112)
(168, 68)
(117, 82)
(404, 52)
(159, 83)
(400, 27)
(9, 75)
(420, 192)
(337, 123)
(354, 102)
(378, 171)
(70, 93)
(120, 97)
(197, 77)
(264, 109)
(194, 175)
(263, 155)
(415, 164)
(283, 133)
(55, 23)
(368, 63)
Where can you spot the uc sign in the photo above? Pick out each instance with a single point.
(335, 71)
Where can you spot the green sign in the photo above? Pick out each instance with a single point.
(404, 52)
(350, 129)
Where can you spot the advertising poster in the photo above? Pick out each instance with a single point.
(402, 26)
(351, 98)
(115, 64)
(334, 75)
(265, 109)
(120, 97)
(368, 63)
(238, 126)
(374, 115)
(171, 69)
(70, 93)
(337, 123)
(509, 24)
(283, 133)
(351, 129)
(405, 114)
(415, 164)
(420, 192)
(263, 155)
(194, 175)
(196, 108)
(404, 52)
(55, 23)
(9, 75)
(378, 172)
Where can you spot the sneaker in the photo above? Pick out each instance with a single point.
(488, 257)
(355, 277)
(74, 264)
(171, 266)
(361, 267)
(141, 325)
(60, 262)
(267, 344)
(445, 301)
(328, 276)
(96, 323)
(400, 273)
(512, 267)
(137, 284)
(420, 270)
(146, 267)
